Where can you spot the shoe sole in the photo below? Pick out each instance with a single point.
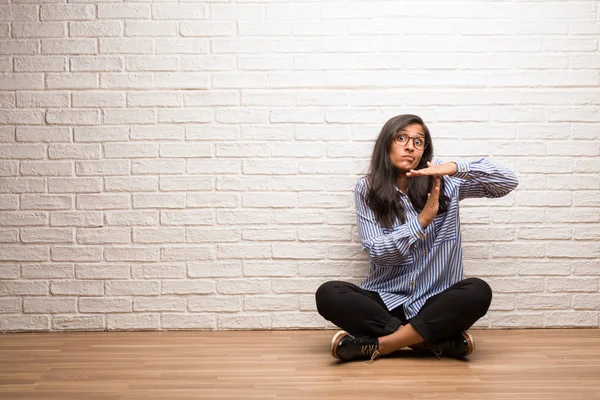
(334, 342)
(470, 342)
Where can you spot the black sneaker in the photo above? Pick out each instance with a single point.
(458, 345)
(349, 347)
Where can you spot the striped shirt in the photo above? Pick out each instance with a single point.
(410, 264)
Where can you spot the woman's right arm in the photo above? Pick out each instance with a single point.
(384, 249)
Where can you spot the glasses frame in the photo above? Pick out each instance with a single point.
(409, 139)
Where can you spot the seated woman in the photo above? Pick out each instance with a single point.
(408, 221)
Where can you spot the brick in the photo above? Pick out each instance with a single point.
(132, 218)
(104, 305)
(78, 323)
(542, 302)
(214, 166)
(49, 305)
(245, 286)
(187, 253)
(214, 269)
(76, 287)
(188, 321)
(9, 235)
(151, 28)
(74, 185)
(502, 319)
(130, 184)
(124, 11)
(158, 271)
(43, 134)
(160, 304)
(99, 271)
(187, 287)
(206, 62)
(77, 254)
(159, 235)
(269, 234)
(586, 301)
(187, 217)
(185, 183)
(24, 323)
(152, 63)
(22, 185)
(126, 81)
(73, 117)
(181, 80)
(144, 167)
(129, 116)
(47, 271)
(119, 322)
(102, 201)
(96, 63)
(100, 133)
(69, 46)
(103, 235)
(569, 249)
(47, 235)
(76, 218)
(164, 132)
(271, 303)
(323, 268)
(212, 235)
(102, 167)
(296, 285)
(180, 11)
(159, 200)
(185, 150)
(24, 253)
(131, 254)
(40, 64)
(270, 269)
(132, 288)
(74, 151)
(130, 150)
(22, 151)
(571, 284)
(10, 271)
(67, 12)
(96, 29)
(10, 305)
(17, 117)
(571, 319)
(98, 99)
(233, 183)
(214, 304)
(244, 321)
(125, 46)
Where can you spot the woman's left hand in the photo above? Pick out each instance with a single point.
(448, 168)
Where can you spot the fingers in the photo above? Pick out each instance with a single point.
(435, 190)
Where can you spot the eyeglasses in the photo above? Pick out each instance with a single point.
(402, 139)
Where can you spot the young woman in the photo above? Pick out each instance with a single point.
(407, 213)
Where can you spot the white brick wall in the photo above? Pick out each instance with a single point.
(191, 165)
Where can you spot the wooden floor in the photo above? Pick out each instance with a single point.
(526, 364)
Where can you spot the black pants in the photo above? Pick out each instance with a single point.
(362, 312)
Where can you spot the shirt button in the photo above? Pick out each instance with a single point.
(424, 252)
(412, 284)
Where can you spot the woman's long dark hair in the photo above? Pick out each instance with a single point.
(382, 196)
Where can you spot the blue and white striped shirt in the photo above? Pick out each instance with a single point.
(410, 264)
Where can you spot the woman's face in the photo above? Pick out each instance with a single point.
(404, 153)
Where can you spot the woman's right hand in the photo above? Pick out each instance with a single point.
(433, 203)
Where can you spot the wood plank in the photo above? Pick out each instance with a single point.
(182, 365)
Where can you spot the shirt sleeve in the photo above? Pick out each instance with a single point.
(481, 178)
(384, 248)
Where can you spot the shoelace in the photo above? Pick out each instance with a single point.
(435, 348)
(373, 357)
(371, 349)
